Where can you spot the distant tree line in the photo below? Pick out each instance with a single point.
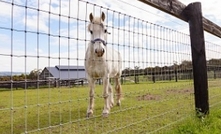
(185, 65)
(33, 75)
(184, 68)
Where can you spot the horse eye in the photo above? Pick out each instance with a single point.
(105, 31)
(91, 32)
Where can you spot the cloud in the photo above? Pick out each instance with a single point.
(210, 9)
(8, 11)
(5, 39)
(5, 9)
(36, 24)
(38, 50)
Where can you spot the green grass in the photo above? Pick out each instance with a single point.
(211, 124)
(194, 125)
(166, 107)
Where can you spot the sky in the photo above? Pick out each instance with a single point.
(32, 39)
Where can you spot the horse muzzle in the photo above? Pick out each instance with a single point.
(99, 52)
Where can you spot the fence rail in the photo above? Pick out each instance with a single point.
(176, 8)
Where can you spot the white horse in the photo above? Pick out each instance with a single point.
(101, 61)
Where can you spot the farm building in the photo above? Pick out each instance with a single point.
(63, 73)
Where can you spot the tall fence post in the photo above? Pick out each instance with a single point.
(193, 13)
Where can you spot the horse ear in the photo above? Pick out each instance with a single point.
(91, 17)
(102, 16)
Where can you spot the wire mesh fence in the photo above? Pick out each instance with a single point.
(51, 94)
(213, 69)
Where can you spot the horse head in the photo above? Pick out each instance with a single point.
(98, 33)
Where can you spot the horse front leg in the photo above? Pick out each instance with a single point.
(111, 95)
(90, 108)
(106, 110)
(118, 91)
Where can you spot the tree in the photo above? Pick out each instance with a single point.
(186, 65)
(126, 71)
(34, 74)
(22, 76)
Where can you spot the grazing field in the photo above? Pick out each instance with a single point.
(166, 107)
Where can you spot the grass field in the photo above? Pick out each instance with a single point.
(162, 107)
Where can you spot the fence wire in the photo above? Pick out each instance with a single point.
(50, 95)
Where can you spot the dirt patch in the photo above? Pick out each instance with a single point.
(1, 107)
(179, 91)
(148, 97)
(168, 92)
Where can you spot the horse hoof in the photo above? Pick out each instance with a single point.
(105, 115)
(90, 114)
(118, 104)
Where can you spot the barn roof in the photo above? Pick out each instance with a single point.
(72, 68)
(67, 72)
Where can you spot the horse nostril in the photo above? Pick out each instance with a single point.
(99, 52)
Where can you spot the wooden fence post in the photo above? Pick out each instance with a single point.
(193, 13)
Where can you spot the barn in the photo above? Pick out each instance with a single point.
(64, 73)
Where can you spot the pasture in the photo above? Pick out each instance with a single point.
(146, 108)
